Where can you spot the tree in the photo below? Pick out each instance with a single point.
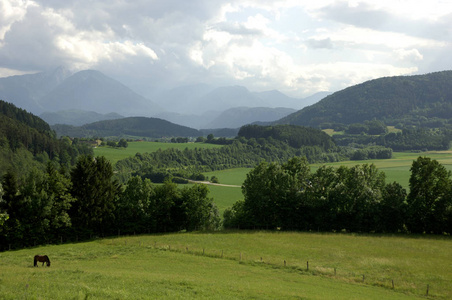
(123, 143)
(273, 193)
(392, 209)
(95, 192)
(429, 199)
(134, 207)
(200, 211)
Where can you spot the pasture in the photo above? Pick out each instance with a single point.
(234, 265)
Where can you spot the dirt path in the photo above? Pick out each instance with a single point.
(217, 184)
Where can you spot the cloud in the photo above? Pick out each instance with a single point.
(298, 47)
(411, 55)
(325, 43)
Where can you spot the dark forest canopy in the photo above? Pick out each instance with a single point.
(389, 98)
(132, 126)
(295, 136)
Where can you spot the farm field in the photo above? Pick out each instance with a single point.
(234, 265)
(115, 154)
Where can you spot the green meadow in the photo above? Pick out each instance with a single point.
(234, 265)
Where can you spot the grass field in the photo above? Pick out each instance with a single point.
(115, 154)
(234, 265)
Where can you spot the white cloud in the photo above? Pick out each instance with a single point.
(11, 12)
(411, 55)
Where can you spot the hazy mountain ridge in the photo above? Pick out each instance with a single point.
(389, 98)
(196, 106)
(93, 91)
(25, 91)
(239, 116)
(76, 117)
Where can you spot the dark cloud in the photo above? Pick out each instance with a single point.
(320, 44)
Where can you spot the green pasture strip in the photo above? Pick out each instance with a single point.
(115, 154)
(234, 176)
(208, 266)
(225, 197)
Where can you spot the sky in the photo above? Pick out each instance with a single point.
(295, 46)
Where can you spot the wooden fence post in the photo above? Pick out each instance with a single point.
(307, 265)
(427, 290)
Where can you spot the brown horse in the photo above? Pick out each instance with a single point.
(43, 259)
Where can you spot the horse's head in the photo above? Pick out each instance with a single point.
(48, 263)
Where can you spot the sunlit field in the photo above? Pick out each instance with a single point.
(234, 265)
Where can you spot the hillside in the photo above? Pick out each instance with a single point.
(132, 126)
(392, 99)
(209, 266)
(27, 141)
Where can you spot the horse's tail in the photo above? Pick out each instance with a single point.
(35, 261)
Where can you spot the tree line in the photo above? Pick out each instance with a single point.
(47, 206)
(357, 199)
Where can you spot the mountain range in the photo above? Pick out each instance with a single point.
(90, 95)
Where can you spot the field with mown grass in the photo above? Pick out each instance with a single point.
(234, 265)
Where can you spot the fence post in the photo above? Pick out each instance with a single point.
(427, 290)
(334, 271)
(307, 265)
(284, 263)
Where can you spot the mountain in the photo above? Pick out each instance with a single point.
(131, 126)
(25, 91)
(93, 91)
(201, 98)
(391, 99)
(189, 120)
(275, 99)
(239, 116)
(76, 117)
(180, 99)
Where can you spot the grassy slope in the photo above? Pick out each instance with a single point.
(160, 266)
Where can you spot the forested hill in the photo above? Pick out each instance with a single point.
(390, 99)
(18, 128)
(13, 113)
(132, 126)
(26, 141)
(295, 136)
